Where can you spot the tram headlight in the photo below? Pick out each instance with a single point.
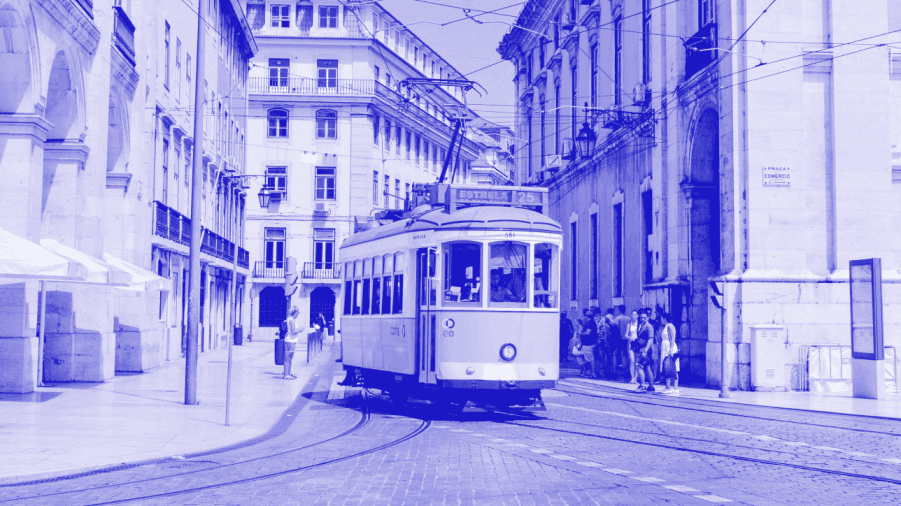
(508, 352)
(541, 371)
(470, 370)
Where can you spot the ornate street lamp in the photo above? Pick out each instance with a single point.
(265, 196)
(586, 138)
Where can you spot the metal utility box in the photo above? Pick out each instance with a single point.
(767, 357)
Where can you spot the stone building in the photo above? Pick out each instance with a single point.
(112, 192)
(338, 139)
(695, 106)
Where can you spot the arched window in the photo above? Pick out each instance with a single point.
(326, 124)
(278, 123)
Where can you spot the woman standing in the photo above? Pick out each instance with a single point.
(631, 336)
(295, 329)
(669, 355)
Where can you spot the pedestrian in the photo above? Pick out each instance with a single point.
(295, 329)
(575, 348)
(623, 321)
(612, 341)
(600, 349)
(669, 353)
(643, 346)
(566, 333)
(323, 325)
(589, 341)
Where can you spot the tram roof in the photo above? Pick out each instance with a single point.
(469, 218)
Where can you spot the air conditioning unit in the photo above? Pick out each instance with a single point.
(319, 207)
(641, 94)
(566, 21)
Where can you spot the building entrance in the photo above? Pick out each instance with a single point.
(322, 300)
(273, 308)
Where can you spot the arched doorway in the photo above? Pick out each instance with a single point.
(322, 300)
(273, 308)
(702, 195)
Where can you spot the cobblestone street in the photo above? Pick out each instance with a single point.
(593, 445)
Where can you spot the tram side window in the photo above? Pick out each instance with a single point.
(358, 292)
(399, 265)
(429, 284)
(545, 279)
(507, 267)
(386, 283)
(348, 286)
(463, 274)
(376, 285)
(367, 274)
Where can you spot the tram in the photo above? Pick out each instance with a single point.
(456, 300)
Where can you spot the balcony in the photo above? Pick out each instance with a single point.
(217, 246)
(700, 50)
(310, 86)
(243, 258)
(87, 6)
(123, 34)
(269, 269)
(323, 271)
(170, 224)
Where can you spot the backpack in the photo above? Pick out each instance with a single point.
(283, 329)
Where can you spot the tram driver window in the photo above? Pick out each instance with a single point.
(348, 286)
(507, 267)
(376, 284)
(462, 274)
(544, 281)
(399, 265)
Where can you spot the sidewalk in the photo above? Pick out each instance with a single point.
(69, 427)
(835, 403)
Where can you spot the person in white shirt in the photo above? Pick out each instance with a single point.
(295, 329)
(669, 355)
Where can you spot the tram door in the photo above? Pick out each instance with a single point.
(425, 318)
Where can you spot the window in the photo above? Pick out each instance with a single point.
(434, 158)
(375, 129)
(557, 32)
(617, 59)
(397, 140)
(367, 286)
(375, 187)
(573, 262)
(278, 123)
(190, 90)
(416, 148)
(706, 12)
(398, 296)
(507, 271)
(594, 75)
(325, 183)
(388, 135)
(387, 183)
(278, 71)
(348, 287)
(166, 75)
(647, 215)
(275, 250)
(323, 248)
(407, 194)
(415, 56)
(387, 287)
(407, 144)
(543, 118)
(463, 274)
(397, 193)
(357, 291)
(376, 72)
(165, 171)
(326, 124)
(529, 143)
(178, 70)
(544, 282)
(277, 181)
(376, 285)
(280, 15)
(645, 41)
(541, 43)
(593, 235)
(557, 119)
(529, 68)
(328, 73)
(328, 17)
(618, 250)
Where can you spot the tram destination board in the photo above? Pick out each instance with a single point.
(512, 197)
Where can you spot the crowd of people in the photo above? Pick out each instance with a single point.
(640, 345)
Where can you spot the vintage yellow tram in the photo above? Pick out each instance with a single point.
(458, 301)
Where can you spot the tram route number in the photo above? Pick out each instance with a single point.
(448, 324)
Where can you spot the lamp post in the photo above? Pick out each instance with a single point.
(586, 138)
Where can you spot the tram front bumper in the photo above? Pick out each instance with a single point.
(497, 384)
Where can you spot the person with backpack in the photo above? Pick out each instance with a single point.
(669, 355)
(295, 329)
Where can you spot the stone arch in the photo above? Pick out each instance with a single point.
(118, 145)
(18, 61)
(63, 109)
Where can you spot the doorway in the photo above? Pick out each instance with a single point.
(273, 307)
(322, 300)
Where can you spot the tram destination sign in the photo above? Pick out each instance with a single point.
(500, 197)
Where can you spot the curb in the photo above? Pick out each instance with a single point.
(277, 427)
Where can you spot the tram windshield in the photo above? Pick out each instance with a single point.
(462, 273)
(507, 268)
(544, 280)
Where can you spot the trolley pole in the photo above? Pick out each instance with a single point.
(196, 200)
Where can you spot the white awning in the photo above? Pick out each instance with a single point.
(141, 278)
(21, 258)
(97, 271)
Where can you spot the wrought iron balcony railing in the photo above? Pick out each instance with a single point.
(243, 258)
(171, 224)
(321, 270)
(269, 269)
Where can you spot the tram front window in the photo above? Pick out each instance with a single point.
(545, 281)
(462, 274)
(507, 266)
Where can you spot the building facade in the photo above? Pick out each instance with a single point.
(339, 139)
(698, 107)
(112, 191)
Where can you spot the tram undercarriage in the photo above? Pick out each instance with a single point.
(452, 394)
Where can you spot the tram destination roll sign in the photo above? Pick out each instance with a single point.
(776, 176)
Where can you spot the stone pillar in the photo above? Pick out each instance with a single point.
(62, 191)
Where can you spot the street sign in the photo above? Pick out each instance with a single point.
(866, 309)
(776, 176)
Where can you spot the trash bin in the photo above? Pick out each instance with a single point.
(239, 335)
